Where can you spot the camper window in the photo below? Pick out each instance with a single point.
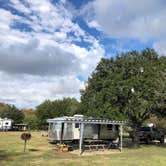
(6, 123)
(76, 125)
(109, 126)
(57, 126)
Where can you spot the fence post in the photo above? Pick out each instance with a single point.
(121, 137)
(81, 137)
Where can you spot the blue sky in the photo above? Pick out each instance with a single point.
(48, 48)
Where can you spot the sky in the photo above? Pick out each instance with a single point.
(49, 48)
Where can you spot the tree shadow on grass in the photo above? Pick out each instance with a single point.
(158, 144)
(129, 144)
(33, 150)
(4, 155)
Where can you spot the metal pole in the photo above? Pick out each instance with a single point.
(2, 125)
(25, 142)
(121, 137)
(81, 137)
(61, 135)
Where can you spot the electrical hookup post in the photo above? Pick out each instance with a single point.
(25, 137)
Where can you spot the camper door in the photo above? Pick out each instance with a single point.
(76, 130)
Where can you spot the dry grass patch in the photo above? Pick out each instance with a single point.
(40, 153)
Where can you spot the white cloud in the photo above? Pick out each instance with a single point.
(160, 47)
(30, 90)
(43, 63)
(137, 19)
(88, 58)
(5, 20)
(30, 58)
(128, 19)
(19, 6)
(93, 24)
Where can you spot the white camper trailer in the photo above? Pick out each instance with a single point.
(6, 124)
(80, 128)
(68, 128)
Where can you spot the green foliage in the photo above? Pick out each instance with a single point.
(160, 108)
(32, 122)
(50, 109)
(3, 107)
(131, 86)
(30, 119)
(11, 112)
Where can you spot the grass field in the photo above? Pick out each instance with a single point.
(40, 152)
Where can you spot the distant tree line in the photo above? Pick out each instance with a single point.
(56, 108)
(11, 112)
(36, 118)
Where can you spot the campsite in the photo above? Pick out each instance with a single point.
(82, 83)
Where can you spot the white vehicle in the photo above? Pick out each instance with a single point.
(6, 124)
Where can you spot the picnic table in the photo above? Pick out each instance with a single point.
(97, 144)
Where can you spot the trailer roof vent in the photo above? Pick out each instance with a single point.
(78, 116)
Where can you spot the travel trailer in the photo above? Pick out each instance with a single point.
(6, 124)
(66, 128)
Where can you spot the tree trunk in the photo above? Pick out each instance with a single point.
(136, 136)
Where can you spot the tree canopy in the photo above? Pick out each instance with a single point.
(50, 109)
(11, 112)
(131, 86)
(30, 118)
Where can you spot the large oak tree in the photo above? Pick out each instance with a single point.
(131, 86)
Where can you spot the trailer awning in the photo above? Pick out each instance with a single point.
(85, 120)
